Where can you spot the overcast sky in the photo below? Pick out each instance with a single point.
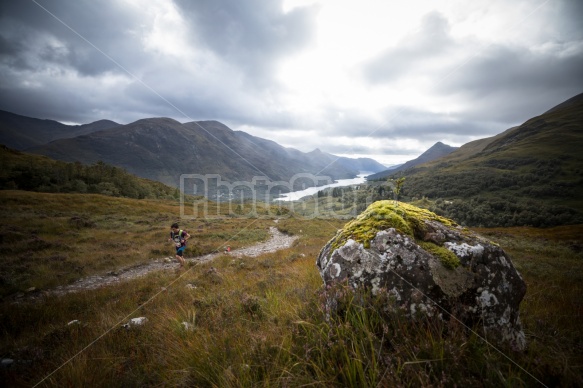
(385, 79)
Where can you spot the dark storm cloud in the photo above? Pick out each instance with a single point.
(43, 61)
(9, 48)
(43, 41)
(511, 84)
(504, 83)
(249, 39)
(49, 70)
(253, 34)
(406, 122)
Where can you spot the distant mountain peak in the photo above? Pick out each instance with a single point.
(439, 146)
(214, 122)
(436, 151)
(103, 121)
(157, 120)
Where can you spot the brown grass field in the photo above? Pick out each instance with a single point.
(249, 322)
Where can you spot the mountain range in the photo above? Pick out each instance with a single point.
(531, 174)
(162, 149)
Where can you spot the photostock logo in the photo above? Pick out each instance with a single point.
(209, 196)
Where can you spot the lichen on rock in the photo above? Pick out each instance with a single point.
(429, 266)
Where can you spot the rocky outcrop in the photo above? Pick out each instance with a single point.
(428, 266)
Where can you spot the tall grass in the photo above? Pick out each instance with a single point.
(48, 240)
(239, 322)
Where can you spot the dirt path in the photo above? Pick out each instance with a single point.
(276, 242)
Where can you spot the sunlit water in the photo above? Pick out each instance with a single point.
(296, 195)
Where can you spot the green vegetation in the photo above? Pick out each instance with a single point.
(530, 175)
(22, 171)
(396, 186)
(486, 197)
(447, 257)
(262, 321)
(405, 218)
(488, 208)
(382, 215)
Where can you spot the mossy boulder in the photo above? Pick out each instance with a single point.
(404, 218)
(428, 265)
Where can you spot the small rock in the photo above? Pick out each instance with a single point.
(136, 322)
(191, 286)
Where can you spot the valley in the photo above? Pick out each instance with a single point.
(84, 251)
(291, 194)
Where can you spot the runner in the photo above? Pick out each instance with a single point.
(179, 237)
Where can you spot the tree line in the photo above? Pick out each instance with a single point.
(520, 206)
(35, 173)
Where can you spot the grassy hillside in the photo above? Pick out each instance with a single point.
(54, 239)
(528, 175)
(251, 321)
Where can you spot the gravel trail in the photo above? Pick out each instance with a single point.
(276, 242)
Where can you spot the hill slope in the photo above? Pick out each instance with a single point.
(528, 175)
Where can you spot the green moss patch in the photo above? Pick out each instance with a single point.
(447, 257)
(382, 215)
